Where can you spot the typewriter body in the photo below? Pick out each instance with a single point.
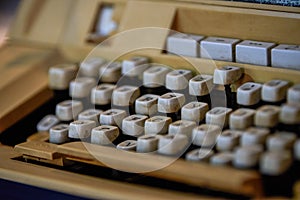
(52, 32)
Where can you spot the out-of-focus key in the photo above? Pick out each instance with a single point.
(68, 110)
(241, 118)
(47, 122)
(267, 116)
(274, 91)
(90, 66)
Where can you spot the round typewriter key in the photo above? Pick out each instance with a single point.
(110, 72)
(133, 125)
(194, 111)
(59, 134)
(146, 104)
(81, 87)
(81, 129)
(206, 135)
(170, 102)
(172, 145)
(127, 145)
(182, 127)
(104, 134)
(218, 116)
(157, 125)
(249, 94)
(147, 143)
(124, 97)
(293, 94)
(112, 117)
(281, 141)
(254, 136)
(267, 116)
(90, 66)
(228, 140)
(178, 79)
(135, 66)
(90, 114)
(275, 163)
(68, 110)
(222, 158)
(101, 94)
(199, 155)
(247, 156)
(290, 114)
(241, 119)
(274, 91)
(47, 122)
(201, 86)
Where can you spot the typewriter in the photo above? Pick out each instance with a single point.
(131, 99)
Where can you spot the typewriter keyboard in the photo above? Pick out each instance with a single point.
(193, 130)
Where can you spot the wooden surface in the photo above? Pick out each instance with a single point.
(246, 182)
(78, 185)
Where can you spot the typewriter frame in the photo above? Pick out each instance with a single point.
(38, 45)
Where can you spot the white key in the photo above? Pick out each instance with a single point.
(178, 79)
(228, 140)
(127, 145)
(206, 135)
(90, 114)
(286, 56)
(254, 52)
(135, 66)
(59, 134)
(81, 129)
(68, 110)
(170, 102)
(194, 111)
(134, 125)
(101, 94)
(199, 155)
(112, 117)
(247, 156)
(281, 141)
(172, 145)
(184, 44)
(104, 135)
(249, 94)
(147, 143)
(290, 114)
(81, 87)
(241, 119)
(297, 149)
(293, 94)
(146, 104)
(111, 72)
(157, 125)
(267, 116)
(221, 159)
(155, 76)
(125, 95)
(90, 66)
(227, 75)
(274, 90)
(254, 136)
(218, 48)
(201, 85)
(47, 122)
(182, 127)
(275, 163)
(60, 76)
(218, 116)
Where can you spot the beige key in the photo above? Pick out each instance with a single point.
(104, 134)
(222, 159)
(228, 140)
(206, 135)
(274, 90)
(61, 75)
(46, 123)
(90, 114)
(90, 66)
(127, 145)
(68, 110)
(81, 129)
(135, 66)
(111, 72)
(81, 87)
(227, 75)
(59, 134)
(170, 102)
(172, 145)
(247, 156)
(293, 94)
(157, 125)
(249, 94)
(267, 116)
(254, 136)
(286, 56)
(134, 125)
(194, 111)
(290, 114)
(112, 117)
(218, 116)
(147, 143)
(201, 85)
(281, 141)
(241, 119)
(101, 94)
(275, 163)
(182, 127)
(155, 76)
(178, 79)
(199, 155)
(146, 104)
(125, 95)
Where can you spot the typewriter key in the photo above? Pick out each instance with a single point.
(110, 72)
(199, 155)
(218, 116)
(104, 134)
(127, 145)
(59, 134)
(194, 111)
(133, 125)
(247, 156)
(68, 110)
(201, 86)
(81, 129)
(124, 97)
(146, 104)
(254, 136)
(154, 79)
(147, 143)
(221, 159)
(228, 140)
(249, 94)
(172, 145)
(241, 119)
(267, 116)
(101, 95)
(281, 141)
(90, 114)
(293, 94)
(157, 125)
(275, 163)
(47, 122)
(182, 127)
(274, 91)
(206, 135)
(90, 66)
(112, 117)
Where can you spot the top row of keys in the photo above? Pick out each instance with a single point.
(229, 49)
